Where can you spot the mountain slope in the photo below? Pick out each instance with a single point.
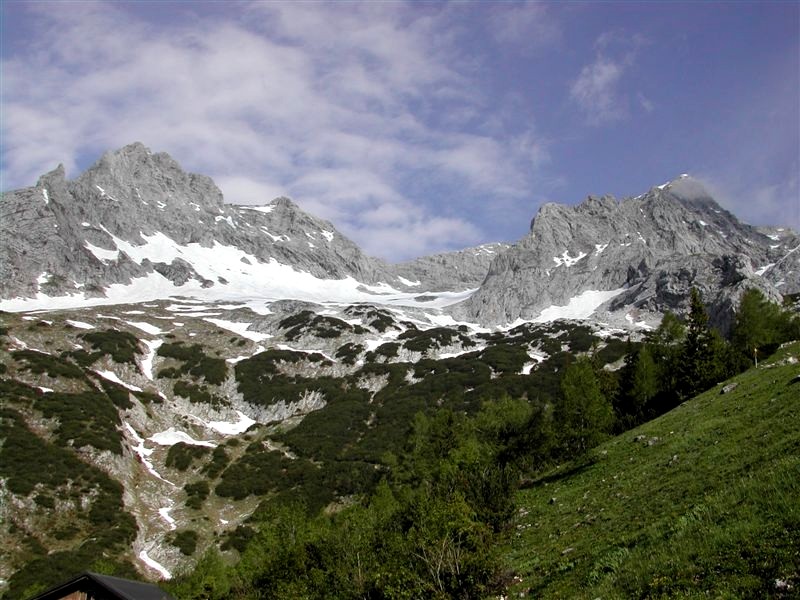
(703, 500)
(644, 252)
(135, 226)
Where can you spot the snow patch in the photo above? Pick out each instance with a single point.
(143, 453)
(262, 209)
(578, 307)
(111, 376)
(240, 329)
(45, 196)
(154, 565)
(566, 259)
(764, 269)
(164, 512)
(598, 248)
(274, 238)
(101, 253)
(171, 436)
(256, 283)
(226, 428)
(228, 220)
(146, 327)
(408, 283)
(147, 361)
(79, 324)
(328, 235)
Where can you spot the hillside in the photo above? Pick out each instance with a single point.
(185, 366)
(703, 500)
(174, 425)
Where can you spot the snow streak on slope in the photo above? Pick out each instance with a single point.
(246, 277)
(579, 307)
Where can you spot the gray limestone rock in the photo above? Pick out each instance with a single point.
(653, 248)
(134, 214)
(61, 236)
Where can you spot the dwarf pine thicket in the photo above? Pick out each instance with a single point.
(436, 517)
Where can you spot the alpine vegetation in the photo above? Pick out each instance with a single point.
(240, 401)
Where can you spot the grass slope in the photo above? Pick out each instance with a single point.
(702, 502)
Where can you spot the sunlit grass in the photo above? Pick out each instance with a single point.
(704, 500)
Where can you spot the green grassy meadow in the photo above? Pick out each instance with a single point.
(703, 502)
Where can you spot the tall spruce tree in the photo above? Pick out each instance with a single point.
(584, 415)
(665, 346)
(703, 356)
(639, 384)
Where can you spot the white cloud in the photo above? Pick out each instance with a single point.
(774, 203)
(325, 103)
(528, 24)
(240, 189)
(597, 88)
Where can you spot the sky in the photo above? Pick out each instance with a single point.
(415, 127)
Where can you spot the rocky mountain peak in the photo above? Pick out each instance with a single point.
(136, 218)
(53, 178)
(647, 250)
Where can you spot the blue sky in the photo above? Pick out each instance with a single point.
(416, 127)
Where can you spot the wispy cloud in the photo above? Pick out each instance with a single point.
(340, 108)
(597, 89)
(527, 23)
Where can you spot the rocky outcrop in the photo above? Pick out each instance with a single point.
(136, 216)
(110, 225)
(464, 269)
(652, 248)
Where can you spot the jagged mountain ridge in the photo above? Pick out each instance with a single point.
(136, 227)
(136, 215)
(644, 253)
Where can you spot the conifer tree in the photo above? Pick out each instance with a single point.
(705, 358)
(584, 413)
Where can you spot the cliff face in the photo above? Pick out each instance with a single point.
(651, 249)
(136, 227)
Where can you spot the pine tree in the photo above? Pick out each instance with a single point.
(665, 346)
(639, 384)
(584, 414)
(704, 354)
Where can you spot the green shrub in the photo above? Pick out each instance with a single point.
(238, 538)
(196, 493)
(86, 418)
(181, 455)
(195, 362)
(185, 541)
(505, 358)
(349, 353)
(39, 362)
(120, 345)
(219, 460)
(195, 393)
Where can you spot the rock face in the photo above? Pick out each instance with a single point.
(135, 213)
(111, 224)
(652, 248)
(448, 271)
(137, 219)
